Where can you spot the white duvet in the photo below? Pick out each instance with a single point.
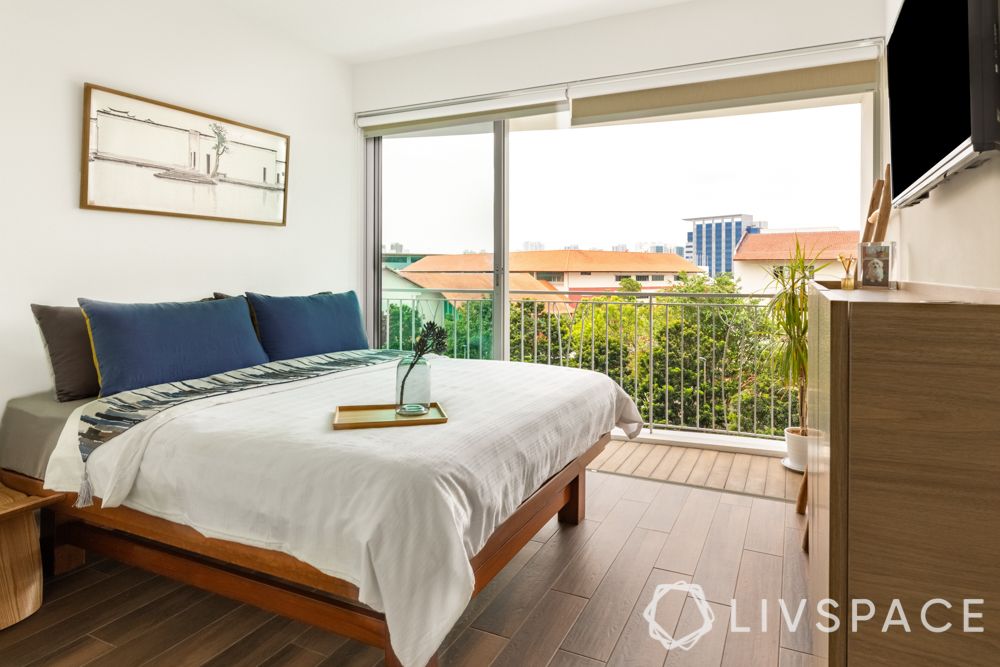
(398, 512)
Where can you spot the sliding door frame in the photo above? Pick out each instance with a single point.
(372, 278)
(501, 241)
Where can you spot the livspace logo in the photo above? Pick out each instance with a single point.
(863, 611)
(657, 632)
(859, 612)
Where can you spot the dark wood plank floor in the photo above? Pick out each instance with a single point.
(573, 597)
(751, 474)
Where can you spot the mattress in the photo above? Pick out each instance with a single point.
(29, 431)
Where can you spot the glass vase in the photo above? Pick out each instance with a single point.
(413, 386)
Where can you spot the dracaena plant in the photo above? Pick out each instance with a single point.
(789, 311)
(433, 339)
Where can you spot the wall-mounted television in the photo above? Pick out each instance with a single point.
(943, 61)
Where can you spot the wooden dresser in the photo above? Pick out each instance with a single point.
(904, 469)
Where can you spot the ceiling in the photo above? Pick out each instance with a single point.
(365, 30)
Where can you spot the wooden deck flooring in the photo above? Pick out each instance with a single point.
(573, 597)
(740, 473)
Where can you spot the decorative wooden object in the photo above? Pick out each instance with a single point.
(868, 231)
(903, 496)
(382, 416)
(281, 583)
(884, 208)
(20, 556)
(802, 498)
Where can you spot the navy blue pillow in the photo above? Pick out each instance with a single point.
(301, 326)
(143, 344)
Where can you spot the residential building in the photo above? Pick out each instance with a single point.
(713, 239)
(400, 260)
(759, 256)
(569, 270)
(441, 297)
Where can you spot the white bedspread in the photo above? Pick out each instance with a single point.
(398, 512)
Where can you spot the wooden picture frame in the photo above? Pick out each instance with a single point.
(140, 155)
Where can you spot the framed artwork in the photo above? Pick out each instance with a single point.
(144, 156)
(875, 266)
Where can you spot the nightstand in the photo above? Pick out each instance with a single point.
(20, 555)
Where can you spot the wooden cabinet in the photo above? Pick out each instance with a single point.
(904, 471)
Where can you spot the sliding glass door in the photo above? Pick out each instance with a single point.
(621, 253)
(436, 259)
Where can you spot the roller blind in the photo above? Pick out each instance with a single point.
(477, 111)
(787, 85)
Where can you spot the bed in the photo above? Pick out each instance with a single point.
(365, 533)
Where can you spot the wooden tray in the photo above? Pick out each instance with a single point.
(382, 416)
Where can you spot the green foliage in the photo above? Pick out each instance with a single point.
(629, 285)
(723, 372)
(470, 328)
(400, 324)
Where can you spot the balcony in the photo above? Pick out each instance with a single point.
(699, 362)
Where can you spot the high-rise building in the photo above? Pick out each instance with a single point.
(534, 245)
(713, 240)
(620, 247)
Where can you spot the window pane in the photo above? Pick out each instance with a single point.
(437, 235)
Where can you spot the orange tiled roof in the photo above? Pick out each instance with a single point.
(602, 261)
(780, 246)
(484, 281)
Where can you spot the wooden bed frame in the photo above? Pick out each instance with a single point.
(272, 580)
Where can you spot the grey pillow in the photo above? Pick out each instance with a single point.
(68, 344)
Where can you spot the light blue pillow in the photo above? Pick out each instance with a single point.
(144, 344)
(301, 326)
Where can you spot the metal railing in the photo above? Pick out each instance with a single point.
(691, 361)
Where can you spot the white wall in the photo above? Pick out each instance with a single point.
(189, 54)
(951, 238)
(758, 276)
(689, 32)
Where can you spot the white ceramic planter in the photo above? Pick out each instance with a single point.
(798, 449)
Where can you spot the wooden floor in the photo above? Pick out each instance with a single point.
(573, 597)
(726, 471)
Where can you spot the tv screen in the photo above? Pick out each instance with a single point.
(930, 111)
(943, 61)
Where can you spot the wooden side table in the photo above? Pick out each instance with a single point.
(20, 555)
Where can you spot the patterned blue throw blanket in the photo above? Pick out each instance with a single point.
(106, 418)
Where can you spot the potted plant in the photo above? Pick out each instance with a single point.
(414, 399)
(789, 311)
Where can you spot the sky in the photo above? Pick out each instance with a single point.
(626, 184)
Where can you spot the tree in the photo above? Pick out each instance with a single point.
(400, 326)
(704, 360)
(221, 146)
(470, 328)
(539, 332)
(627, 284)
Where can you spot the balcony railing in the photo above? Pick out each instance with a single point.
(691, 361)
